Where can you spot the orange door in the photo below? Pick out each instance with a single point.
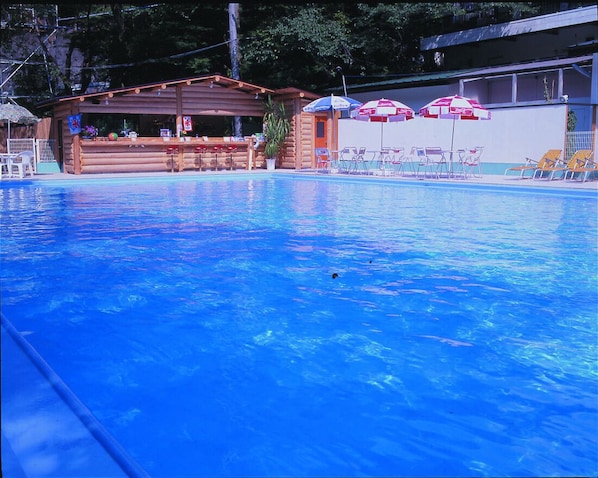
(320, 132)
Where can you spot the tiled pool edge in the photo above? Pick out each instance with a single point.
(79, 411)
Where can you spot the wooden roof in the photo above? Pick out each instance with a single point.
(213, 80)
(284, 93)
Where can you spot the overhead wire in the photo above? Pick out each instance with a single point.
(142, 62)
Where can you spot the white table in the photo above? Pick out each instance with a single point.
(6, 161)
(450, 153)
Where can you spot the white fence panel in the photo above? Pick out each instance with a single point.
(46, 150)
(580, 140)
(15, 146)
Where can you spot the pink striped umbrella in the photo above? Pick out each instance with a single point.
(456, 108)
(383, 111)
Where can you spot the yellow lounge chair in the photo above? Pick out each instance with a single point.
(550, 157)
(581, 163)
(550, 167)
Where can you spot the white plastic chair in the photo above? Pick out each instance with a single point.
(22, 162)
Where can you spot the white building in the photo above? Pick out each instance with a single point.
(550, 76)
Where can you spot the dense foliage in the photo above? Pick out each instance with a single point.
(301, 45)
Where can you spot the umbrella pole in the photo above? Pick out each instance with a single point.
(8, 138)
(453, 135)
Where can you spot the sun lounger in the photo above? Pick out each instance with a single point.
(582, 164)
(549, 167)
(549, 159)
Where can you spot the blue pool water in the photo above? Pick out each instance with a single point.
(315, 327)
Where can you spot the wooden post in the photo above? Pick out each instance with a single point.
(250, 154)
(179, 110)
(77, 154)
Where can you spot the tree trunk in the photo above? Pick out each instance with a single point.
(233, 23)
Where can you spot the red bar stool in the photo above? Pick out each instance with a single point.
(217, 149)
(170, 152)
(199, 152)
(230, 150)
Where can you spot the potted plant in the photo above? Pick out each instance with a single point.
(89, 132)
(276, 129)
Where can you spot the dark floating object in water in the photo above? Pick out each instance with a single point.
(335, 275)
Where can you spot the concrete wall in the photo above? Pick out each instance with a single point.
(508, 138)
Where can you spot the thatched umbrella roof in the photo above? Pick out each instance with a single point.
(13, 113)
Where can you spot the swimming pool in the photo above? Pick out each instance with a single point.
(280, 326)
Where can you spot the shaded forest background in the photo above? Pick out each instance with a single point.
(306, 46)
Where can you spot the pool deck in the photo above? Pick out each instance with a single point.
(489, 179)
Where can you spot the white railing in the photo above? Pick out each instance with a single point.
(576, 140)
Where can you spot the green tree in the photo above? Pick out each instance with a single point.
(301, 47)
(281, 45)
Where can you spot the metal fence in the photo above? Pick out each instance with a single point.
(15, 146)
(46, 150)
(576, 140)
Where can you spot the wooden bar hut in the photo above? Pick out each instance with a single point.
(176, 125)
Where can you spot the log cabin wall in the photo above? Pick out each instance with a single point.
(299, 147)
(306, 139)
(289, 153)
(61, 131)
(302, 135)
(156, 155)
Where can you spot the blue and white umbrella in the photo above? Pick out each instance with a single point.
(331, 103)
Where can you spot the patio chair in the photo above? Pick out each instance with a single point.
(435, 160)
(22, 162)
(582, 164)
(323, 159)
(359, 161)
(418, 159)
(397, 159)
(551, 156)
(470, 163)
(344, 160)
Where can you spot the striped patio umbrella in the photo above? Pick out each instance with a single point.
(383, 111)
(456, 108)
(331, 103)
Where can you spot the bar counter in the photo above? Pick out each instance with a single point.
(150, 154)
